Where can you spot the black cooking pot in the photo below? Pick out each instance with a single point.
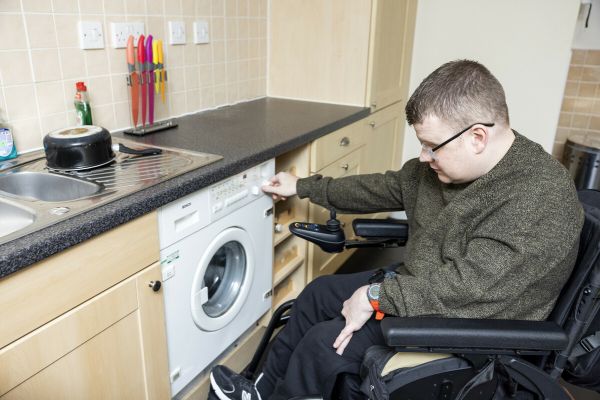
(84, 147)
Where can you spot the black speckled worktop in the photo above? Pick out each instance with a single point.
(245, 134)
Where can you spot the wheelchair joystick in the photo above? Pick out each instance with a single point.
(329, 237)
(333, 224)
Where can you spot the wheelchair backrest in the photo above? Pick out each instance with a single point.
(578, 304)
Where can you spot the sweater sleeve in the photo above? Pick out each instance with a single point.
(530, 239)
(359, 193)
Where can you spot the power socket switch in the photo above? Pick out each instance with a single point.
(201, 31)
(176, 32)
(120, 32)
(90, 35)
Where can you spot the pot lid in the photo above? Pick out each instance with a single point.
(75, 132)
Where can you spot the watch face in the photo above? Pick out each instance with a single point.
(374, 291)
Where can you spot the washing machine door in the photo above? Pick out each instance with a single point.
(223, 279)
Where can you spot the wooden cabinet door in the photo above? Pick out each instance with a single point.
(111, 347)
(383, 137)
(392, 32)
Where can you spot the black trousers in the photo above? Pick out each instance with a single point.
(302, 360)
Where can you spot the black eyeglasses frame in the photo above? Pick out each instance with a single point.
(488, 124)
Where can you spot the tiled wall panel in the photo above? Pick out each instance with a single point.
(580, 112)
(40, 60)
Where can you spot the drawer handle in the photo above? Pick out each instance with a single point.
(345, 141)
(155, 285)
(374, 104)
(345, 167)
(372, 124)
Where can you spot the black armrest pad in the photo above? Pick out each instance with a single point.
(473, 333)
(380, 228)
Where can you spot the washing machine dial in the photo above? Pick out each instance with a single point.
(255, 190)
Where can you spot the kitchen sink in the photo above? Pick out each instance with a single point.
(14, 217)
(32, 196)
(46, 186)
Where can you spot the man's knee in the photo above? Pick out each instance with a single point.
(315, 289)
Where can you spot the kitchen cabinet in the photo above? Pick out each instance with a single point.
(88, 322)
(289, 258)
(342, 51)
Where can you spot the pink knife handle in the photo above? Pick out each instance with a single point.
(141, 51)
(130, 53)
(149, 52)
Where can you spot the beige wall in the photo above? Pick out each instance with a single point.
(525, 44)
(40, 60)
(580, 112)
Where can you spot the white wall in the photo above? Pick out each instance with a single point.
(588, 38)
(526, 44)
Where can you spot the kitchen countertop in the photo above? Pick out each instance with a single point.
(245, 134)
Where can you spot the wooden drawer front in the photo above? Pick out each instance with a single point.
(44, 346)
(345, 166)
(327, 149)
(43, 291)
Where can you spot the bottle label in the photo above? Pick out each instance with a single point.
(6, 142)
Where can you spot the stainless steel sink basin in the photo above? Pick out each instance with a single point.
(33, 197)
(14, 217)
(46, 186)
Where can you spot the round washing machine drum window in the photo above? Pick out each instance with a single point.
(223, 280)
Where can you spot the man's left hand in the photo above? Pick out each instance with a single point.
(357, 310)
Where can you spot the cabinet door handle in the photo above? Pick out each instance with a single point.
(155, 285)
(372, 124)
(278, 228)
(345, 167)
(345, 141)
(374, 104)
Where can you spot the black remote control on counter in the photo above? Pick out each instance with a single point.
(329, 237)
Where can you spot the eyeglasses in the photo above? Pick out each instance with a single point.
(431, 150)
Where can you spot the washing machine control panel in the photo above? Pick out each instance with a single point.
(239, 190)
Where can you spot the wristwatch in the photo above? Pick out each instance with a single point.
(373, 296)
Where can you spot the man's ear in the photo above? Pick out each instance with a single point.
(479, 138)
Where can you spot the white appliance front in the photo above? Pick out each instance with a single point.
(217, 280)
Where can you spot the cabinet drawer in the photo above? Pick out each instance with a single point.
(44, 346)
(330, 148)
(63, 281)
(345, 166)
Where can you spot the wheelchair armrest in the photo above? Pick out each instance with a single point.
(380, 228)
(475, 334)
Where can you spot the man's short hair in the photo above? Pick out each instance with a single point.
(461, 93)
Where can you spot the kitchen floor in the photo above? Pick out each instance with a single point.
(366, 259)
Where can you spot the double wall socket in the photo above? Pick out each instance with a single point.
(120, 32)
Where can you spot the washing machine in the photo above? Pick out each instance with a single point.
(216, 260)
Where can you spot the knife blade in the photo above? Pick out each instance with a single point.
(150, 75)
(133, 81)
(141, 53)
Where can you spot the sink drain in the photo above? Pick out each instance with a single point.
(60, 210)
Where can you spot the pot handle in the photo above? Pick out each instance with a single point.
(150, 151)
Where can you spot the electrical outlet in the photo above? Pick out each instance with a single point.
(90, 35)
(201, 31)
(120, 32)
(176, 32)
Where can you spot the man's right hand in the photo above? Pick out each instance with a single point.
(281, 186)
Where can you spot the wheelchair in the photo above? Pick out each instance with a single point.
(468, 359)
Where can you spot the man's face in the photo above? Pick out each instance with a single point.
(450, 162)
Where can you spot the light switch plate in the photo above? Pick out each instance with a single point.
(201, 31)
(120, 32)
(91, 35)
(176, 32)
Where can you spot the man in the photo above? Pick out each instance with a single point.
(494, 224)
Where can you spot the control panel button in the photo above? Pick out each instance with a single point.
(255, 190)
(236, 197)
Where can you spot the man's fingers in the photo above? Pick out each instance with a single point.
(347, 331)
(342, 347)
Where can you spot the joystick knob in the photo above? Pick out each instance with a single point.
(333, 225)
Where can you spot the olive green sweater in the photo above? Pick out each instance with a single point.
(501, 246)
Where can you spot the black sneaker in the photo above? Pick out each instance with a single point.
(231, 386)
